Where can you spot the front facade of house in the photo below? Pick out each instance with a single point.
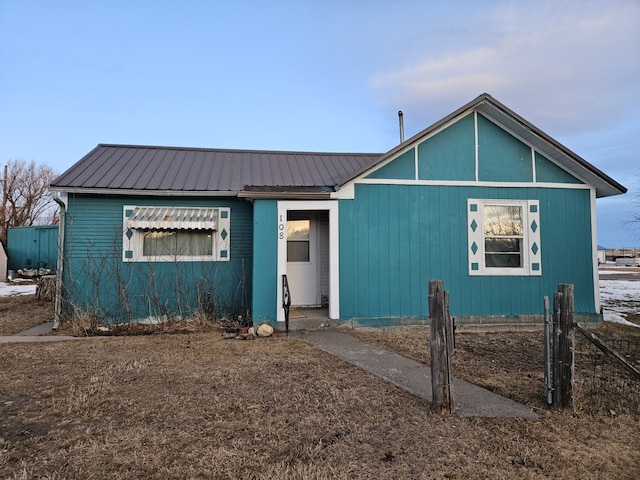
(106, 276)
(482, 200)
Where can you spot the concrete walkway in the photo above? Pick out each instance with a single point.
(38, 333)
(414, 377)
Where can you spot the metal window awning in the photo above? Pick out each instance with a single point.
(173, 218)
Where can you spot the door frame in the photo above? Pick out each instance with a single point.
(334, 258)
(312, 265)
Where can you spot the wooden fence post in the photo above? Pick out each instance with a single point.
(440, 345)
(548, 377)
(566, 347)
(557, 303)
(563, 346)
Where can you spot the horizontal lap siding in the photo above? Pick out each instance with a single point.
(96, 278)
(394, 238)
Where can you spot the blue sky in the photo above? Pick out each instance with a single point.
(319, 76)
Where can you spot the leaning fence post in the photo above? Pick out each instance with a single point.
(449, 335)
(449, 329)
(441, 378)
(566, 347)
(557, 304)
(548, 381)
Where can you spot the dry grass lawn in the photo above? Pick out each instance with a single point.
(190, 406)
(23, 312)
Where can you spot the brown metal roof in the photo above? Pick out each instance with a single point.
(145, 168)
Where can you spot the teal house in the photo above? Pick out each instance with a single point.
(482, 199)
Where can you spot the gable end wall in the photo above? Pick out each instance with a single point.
(471, 149)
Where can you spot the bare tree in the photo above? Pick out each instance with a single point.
(26, 200)
(634, 225)
(633, 222)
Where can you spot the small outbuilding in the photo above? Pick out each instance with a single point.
(482, 199)
(4, 259)
(33, 247)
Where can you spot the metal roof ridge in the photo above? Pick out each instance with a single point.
(234, 150)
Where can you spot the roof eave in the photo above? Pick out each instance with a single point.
(285, 195)
(138, 192)
(285, 192)
(605, 185)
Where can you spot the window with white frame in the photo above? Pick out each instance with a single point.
(298, 240)
(504, 237)
(163, 234)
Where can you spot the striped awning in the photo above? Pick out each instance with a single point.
(173, 218)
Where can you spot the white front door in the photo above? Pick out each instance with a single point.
(299, 280)
(302, 258)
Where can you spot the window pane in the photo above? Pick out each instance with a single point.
(503, 252)
(496, 245)
(511, 260)
(298, 229)
(157, 243)
(503, 220)
(189, 242)
(177, 242)
(297, 251)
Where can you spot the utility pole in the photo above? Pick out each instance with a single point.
(3, 217)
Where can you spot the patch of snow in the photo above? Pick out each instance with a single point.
(615, 318)
(15, 289)
(620, 296)
(622, 271)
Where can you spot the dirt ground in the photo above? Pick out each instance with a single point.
(192, 406)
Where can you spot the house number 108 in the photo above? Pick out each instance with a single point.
(281, 229)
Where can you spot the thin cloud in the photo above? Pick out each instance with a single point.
(444, 76)
(567, 69)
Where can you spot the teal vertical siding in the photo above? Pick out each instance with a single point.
(549, 172)
(98, 282)
(401, 168)
(265, 265)
(33, 246)
(394, 238)
(501, 156)
(450, 154)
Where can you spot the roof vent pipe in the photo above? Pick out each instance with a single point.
(401, 120)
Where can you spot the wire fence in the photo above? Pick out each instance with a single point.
(604, 374)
